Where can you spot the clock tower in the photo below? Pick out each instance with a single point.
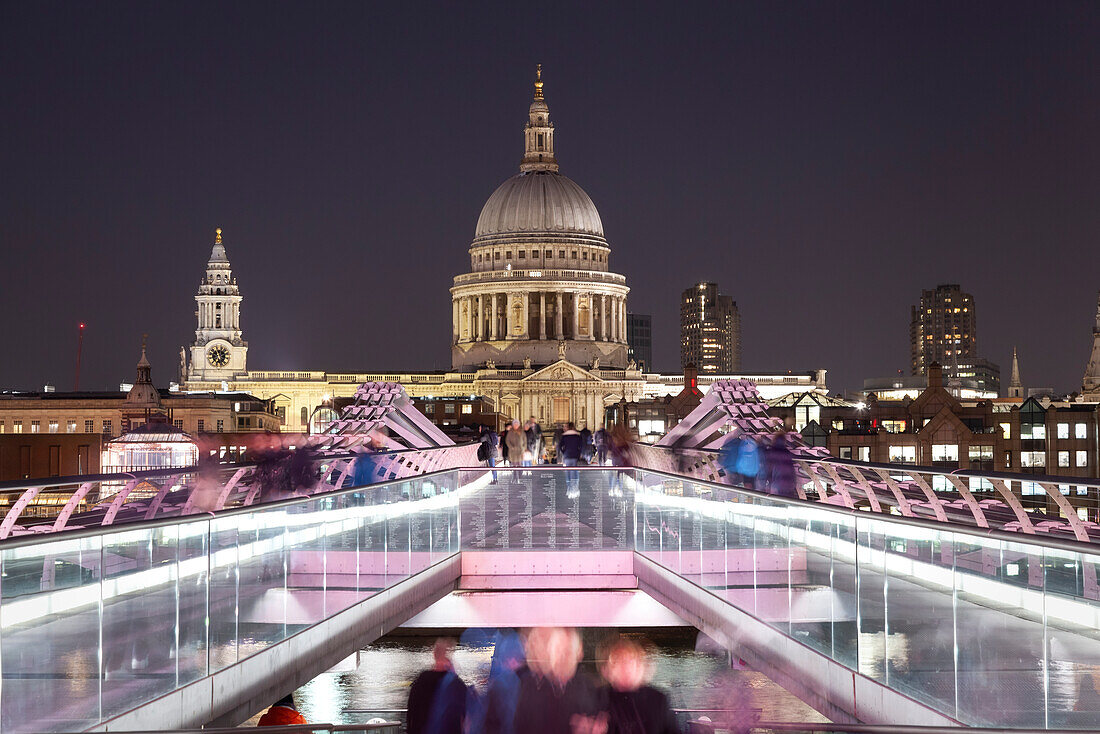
(218, 352)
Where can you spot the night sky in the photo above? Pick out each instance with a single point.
(823, 162)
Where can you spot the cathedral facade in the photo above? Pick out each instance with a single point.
(538, 322)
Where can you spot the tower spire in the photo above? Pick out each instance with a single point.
(538, 135)
(1091, 384)
(1015, 389)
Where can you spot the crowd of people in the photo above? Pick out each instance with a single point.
(525, 445)
(535, 685)
(763, 463)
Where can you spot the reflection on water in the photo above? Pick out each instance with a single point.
(377, 680)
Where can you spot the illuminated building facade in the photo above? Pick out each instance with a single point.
(1090, 386)
(710, 330)
(538, 323)
(943, 328)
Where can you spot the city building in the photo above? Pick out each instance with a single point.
(710, 330)
(639, 339)
(539, 323)
(1019, 435)
(971, 380)
(943, 328)
(1090, 385)
(50, 433)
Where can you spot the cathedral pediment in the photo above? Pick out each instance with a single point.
(560, 371)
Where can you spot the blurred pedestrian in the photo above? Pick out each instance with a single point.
(602, 441)
(282, 713)
(437, 698)
(555, 698)
(633, 706)
(502, 694)
(533, 433)
(570, 446)
(749, 465)
(779, 463)
(517, 444)
(588, 448)
(487, 447)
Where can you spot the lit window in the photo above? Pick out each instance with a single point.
(53, 426)
(845, 452)
(70, 425)
(945, 452)
(1063, 458)
(864, 453)
(467, 409)
(1063, 430)
(1081, 430)
(17, 427)
(903, 454)
(1082, 458)
(1030, 459)
(35, 425)
(1006, 430)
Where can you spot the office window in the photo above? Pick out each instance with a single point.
(1082, 458)
(449, 408)
(838, 425)
(845, 452)
(2, 426)
(864, 453)
(903, 454)
(467, 409)
(1081, 430)
(53, 426)
(1031, 488)
(945, 452)
(221, 425)
(89, 426)
(17, 427)
(202, 424)
(1033, 430)
(1030, 459)
(1063, 458)
(107, 429)
(1006, 430)
(1008, 460)
(70, 425)
(178, 425)
(1063, 430)
(894, 426)
(35, 426)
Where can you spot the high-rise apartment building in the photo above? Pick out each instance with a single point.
(710, 330)
(943, 328)
(639, 339)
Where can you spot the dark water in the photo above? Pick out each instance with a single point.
(376, 680)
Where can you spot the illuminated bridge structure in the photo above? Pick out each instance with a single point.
(852, 597)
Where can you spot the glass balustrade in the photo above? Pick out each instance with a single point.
(988, 630)
(984, 628)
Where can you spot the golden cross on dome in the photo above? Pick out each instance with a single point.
(218, 237)
(538, 81)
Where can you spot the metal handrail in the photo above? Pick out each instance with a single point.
(1075, 546)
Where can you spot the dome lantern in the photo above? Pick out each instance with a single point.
(538, 136)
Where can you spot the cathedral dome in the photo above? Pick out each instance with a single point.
(539, 201)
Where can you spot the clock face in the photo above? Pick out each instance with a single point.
(218, 356)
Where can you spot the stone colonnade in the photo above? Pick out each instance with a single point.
(558, 314)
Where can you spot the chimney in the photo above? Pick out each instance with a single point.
(935, 375)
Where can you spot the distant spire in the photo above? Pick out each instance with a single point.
(1091, 384)
(1015, 389)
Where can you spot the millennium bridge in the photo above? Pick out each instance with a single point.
(882, 594)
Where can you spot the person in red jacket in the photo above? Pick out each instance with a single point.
(282, 713)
